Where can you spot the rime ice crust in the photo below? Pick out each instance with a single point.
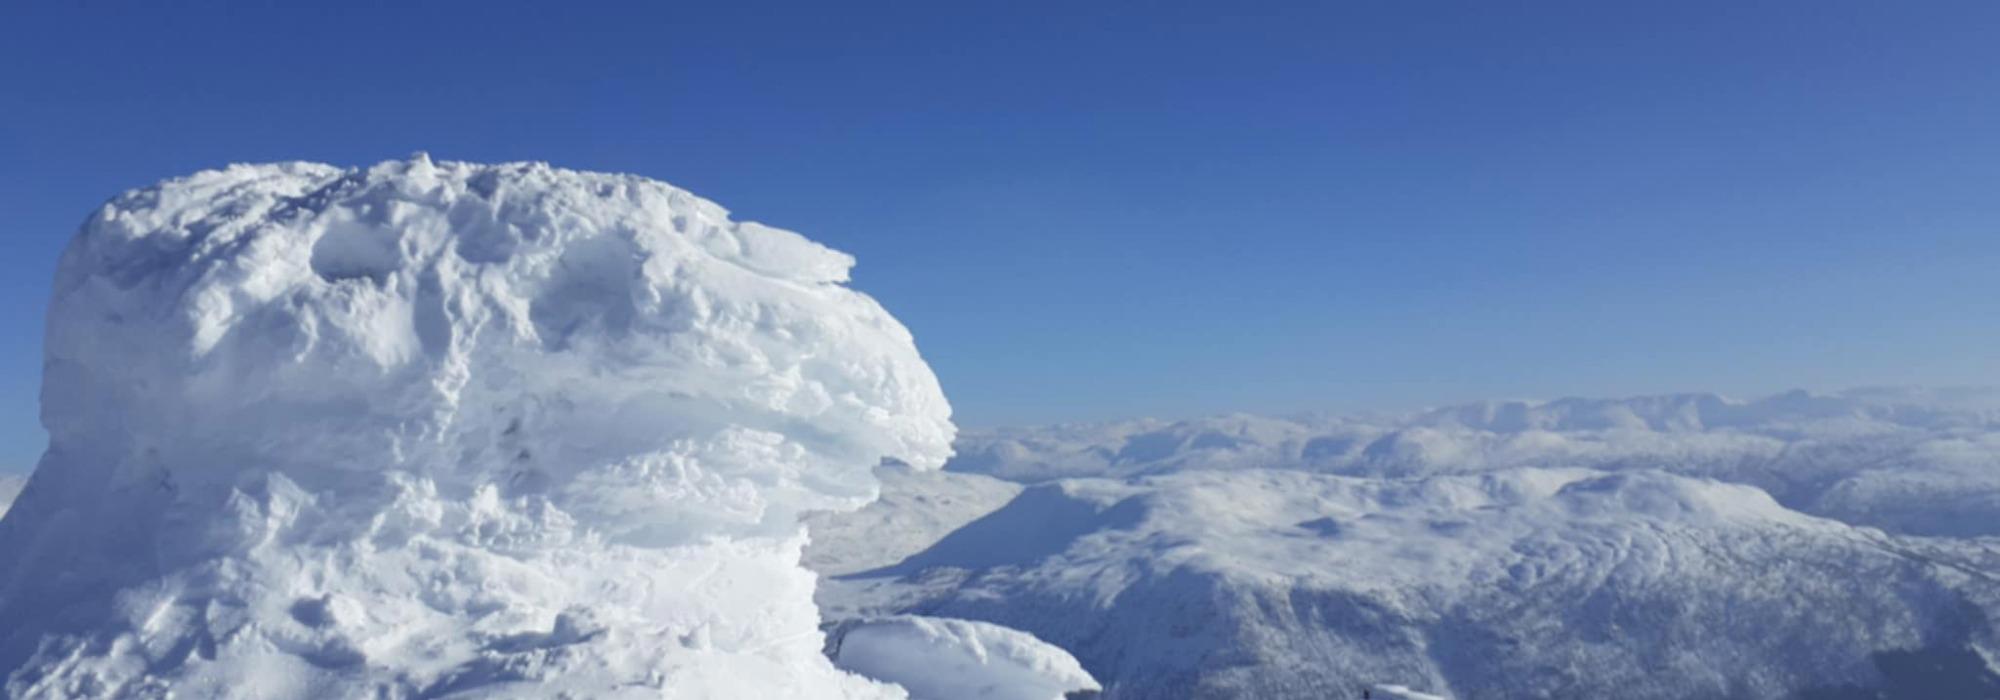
(432, 429)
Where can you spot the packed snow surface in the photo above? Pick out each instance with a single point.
(940, 659)
(1799, 546)
(442, 430)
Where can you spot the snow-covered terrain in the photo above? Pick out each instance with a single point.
(1907, 461)
(10, 486)
(1808, 546)
(447, 430)
(959, 659)
(430, 430)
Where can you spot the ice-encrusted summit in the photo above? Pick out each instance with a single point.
(435, 429)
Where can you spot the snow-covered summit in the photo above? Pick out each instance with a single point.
(434, 429)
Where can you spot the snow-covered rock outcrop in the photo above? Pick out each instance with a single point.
(440, 429)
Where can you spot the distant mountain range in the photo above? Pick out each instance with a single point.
(1823, 546)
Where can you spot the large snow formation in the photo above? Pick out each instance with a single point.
(437, 429)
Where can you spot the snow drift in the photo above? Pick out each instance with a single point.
(944, 659)
(441, 429)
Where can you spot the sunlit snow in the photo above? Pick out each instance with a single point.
(1801, 545)
(446, 430)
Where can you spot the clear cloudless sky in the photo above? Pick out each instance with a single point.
(1092, 210)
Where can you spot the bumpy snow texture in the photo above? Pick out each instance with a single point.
(441, 430)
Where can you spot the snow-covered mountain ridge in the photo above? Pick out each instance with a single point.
(1633, 548)
(1904, 460)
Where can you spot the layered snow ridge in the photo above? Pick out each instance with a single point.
(433, 429)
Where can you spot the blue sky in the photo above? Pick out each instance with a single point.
(1098, 210)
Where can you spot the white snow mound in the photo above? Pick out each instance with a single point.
(445, 430)
(943, 659)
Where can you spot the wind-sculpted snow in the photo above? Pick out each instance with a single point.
(940, 659)
(440, 429)
(1629, 549)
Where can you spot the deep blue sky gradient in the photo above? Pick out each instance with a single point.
(1098, 210)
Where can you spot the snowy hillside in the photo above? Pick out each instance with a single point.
(10, 486)
(1673, 547)
(917, 508)
(450, 430)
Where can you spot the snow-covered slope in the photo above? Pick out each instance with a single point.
(1628, 549)
(442, 430)
(917, 507)
(10, 486)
